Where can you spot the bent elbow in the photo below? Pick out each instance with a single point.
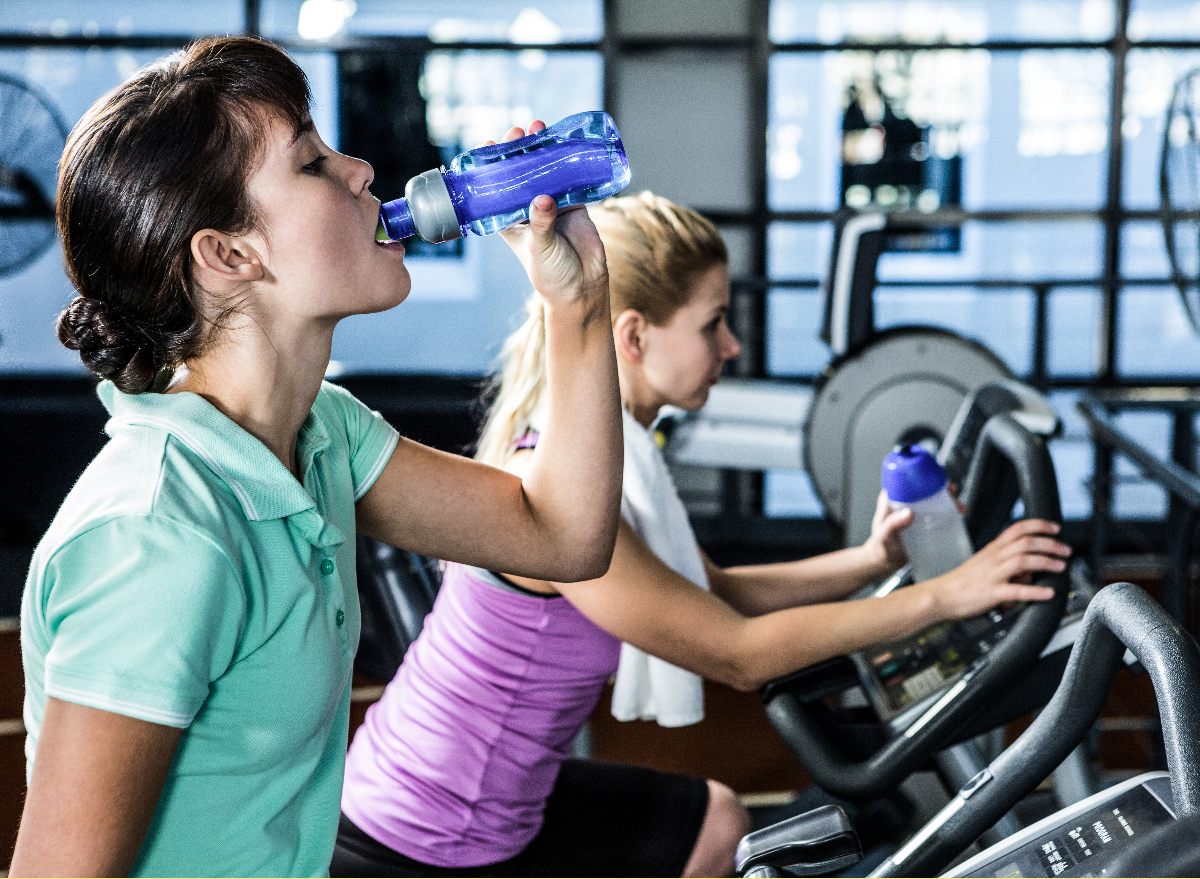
(582, 564)
(737, 674)
(745, 683)
(584, 570)
(587, 558)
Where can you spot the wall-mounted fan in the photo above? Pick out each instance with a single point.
(32, 137)
(1179, 184)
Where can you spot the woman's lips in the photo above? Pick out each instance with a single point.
(394, 246)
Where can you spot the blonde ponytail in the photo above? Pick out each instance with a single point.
(519, 386)
(655, 250)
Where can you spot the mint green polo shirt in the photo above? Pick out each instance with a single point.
(190, 580)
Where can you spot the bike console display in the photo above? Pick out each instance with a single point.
(899, 676)
(902, 679)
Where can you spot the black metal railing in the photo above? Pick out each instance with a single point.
(1175, 474)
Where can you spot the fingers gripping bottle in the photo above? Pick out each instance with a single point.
(578, 160)
(936, 541)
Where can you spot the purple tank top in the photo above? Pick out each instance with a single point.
(452, 767)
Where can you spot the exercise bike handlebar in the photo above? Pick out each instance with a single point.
(797, 719)
(1121, 616)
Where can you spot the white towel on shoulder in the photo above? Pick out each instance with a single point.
(647, 688)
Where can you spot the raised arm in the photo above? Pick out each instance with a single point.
(96, 780)
(559, 521)
(644, 602)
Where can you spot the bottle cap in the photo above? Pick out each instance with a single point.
(395, 221)
(432, 209)
(911, 474)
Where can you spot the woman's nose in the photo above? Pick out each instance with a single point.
(360, 175)
(730, 346)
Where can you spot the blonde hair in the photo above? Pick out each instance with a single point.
(655, 250)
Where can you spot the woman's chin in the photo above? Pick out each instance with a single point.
(696, 402)
(400, 290)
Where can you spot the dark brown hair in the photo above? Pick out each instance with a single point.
(154, 161)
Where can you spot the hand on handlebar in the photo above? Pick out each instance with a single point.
(999, 573)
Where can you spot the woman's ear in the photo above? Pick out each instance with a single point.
(629, 335)
(224, 261)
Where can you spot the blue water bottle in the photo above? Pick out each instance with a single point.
(936, 540)
(578, 160)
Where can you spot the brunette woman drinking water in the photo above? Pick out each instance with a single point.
(191, 616)
(462, 769)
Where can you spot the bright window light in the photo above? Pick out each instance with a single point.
(322, 19)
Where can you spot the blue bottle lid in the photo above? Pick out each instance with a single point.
(911, 474)
(397, 219)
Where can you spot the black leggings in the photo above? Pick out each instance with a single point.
(602, 819)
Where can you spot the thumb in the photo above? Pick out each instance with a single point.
(897, 521)
(542, 213)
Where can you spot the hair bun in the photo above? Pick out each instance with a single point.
(108, 344)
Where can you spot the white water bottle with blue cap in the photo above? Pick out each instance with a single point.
(936, 540)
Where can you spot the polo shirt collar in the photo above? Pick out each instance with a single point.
(263, 486)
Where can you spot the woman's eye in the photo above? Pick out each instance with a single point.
(315, 166)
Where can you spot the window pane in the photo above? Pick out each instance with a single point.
(1163, 20)
(1149, 81)
(1073, 454)
(739, 243)
(830, 21)
(60, 18)
(1008, 251)
(1031, 128)
(453, 322)
(1143, 250)
(1134, 496)
(1047, 134)
(1073, 332)
(1155, 338)
(798, 250)
(803, 134)
(793, 322)
(447, 21)
(1001, 320)
(473, 96)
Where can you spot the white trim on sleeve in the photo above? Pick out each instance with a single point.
(377, 467)
(120, 706)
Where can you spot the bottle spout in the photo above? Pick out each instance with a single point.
(395, 221)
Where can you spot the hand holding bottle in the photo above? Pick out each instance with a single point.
(937, 539)
(885, 545)
(560, 251)
(994, 575)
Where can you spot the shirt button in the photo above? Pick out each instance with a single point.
(326, 566)
(340, 618)
(317, 454)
